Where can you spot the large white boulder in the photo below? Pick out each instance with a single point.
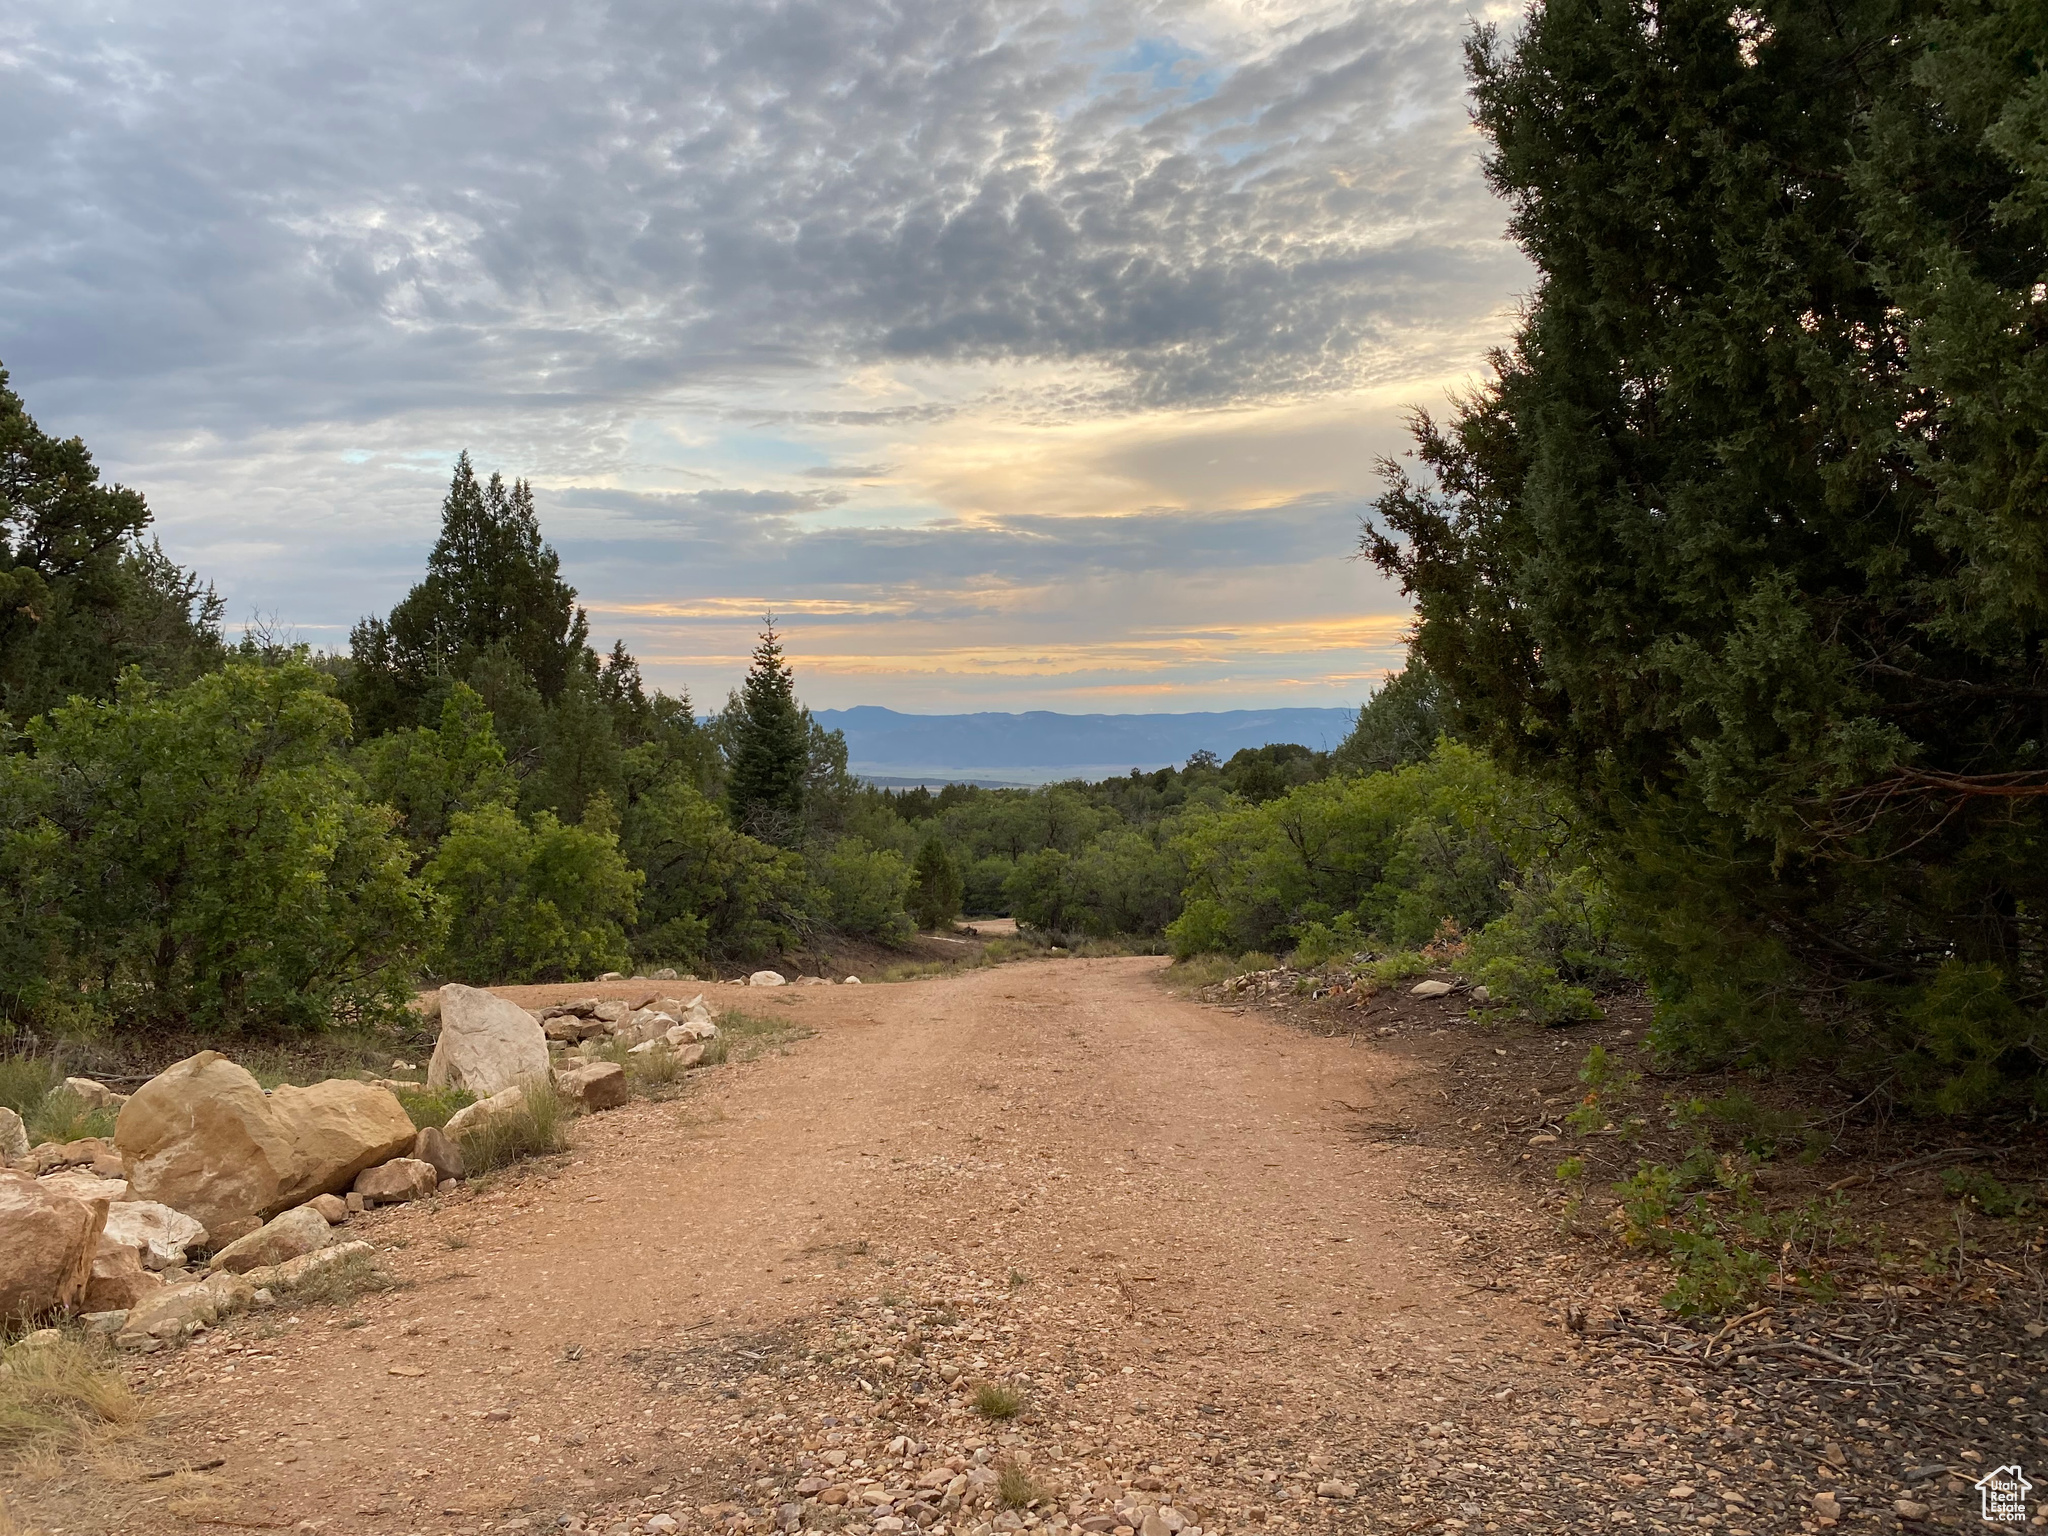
(158, 1234)
(487, 1044)
(47, 1244)
(767, 979)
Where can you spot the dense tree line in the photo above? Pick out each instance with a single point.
(1742, 547)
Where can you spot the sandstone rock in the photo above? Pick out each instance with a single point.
(812, 981)
(159, 1235)
(294, 1272)
(611, 976)
(426, 1006)
(295, 1232)
(601, 1085)
(851, 981)
(483, 1111)
(13, 1136)
(47, 1245)
(582, 1008)
(118, 1279)
(84, 1184)
(642, 1025)
(436, 1147)
(332, 1208)
(95, 1095)
(94, 1152)
(568, 1028)
(174, 1311)
(766, 979)
(200, 1137)
(1431, 989)
(647, 1047)
(487, 1044)
(1482, 994)
(666, 973)
(610, 1011)
(337, 1128)
(400, 1180)
(354, 1203)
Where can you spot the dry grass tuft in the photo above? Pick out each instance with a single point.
(61, 1393)
(343, 1280)
(539, 1126)
(1015, 1485)
(997, 1402)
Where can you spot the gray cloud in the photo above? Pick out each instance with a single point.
(265, 213)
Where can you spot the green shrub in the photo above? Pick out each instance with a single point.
(204, 855)
(865, 889)
(1975, 1187)
(531, 902)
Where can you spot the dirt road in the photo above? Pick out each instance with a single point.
(1148, 1218)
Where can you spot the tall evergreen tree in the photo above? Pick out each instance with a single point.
(492, 585)
(82, 597)
(934, 885)
(765, 782)
(1744, 542)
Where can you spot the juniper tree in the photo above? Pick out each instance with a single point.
(1745, 541)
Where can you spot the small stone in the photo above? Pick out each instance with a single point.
(1431, 989)
(1680, 1491)
(1826, 1507)
(851, 981)
(436, 1147)
(601, 1085)
(1482, 994)
(395, 1182)
(1333, 1488)
(353, 1201)
(331, 1207)
(1911, 1509)
(1543, 1139)
(662, 1525)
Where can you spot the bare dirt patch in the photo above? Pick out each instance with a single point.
(1225, 1265)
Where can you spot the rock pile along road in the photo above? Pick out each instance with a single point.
(774, 1301)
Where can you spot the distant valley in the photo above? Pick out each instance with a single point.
(1041, 747)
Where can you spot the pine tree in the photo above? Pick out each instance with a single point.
(934, 885)
(764, 790)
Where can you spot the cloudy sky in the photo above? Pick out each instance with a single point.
(1017, 355)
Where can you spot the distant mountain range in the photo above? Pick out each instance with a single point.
(1041, 747)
